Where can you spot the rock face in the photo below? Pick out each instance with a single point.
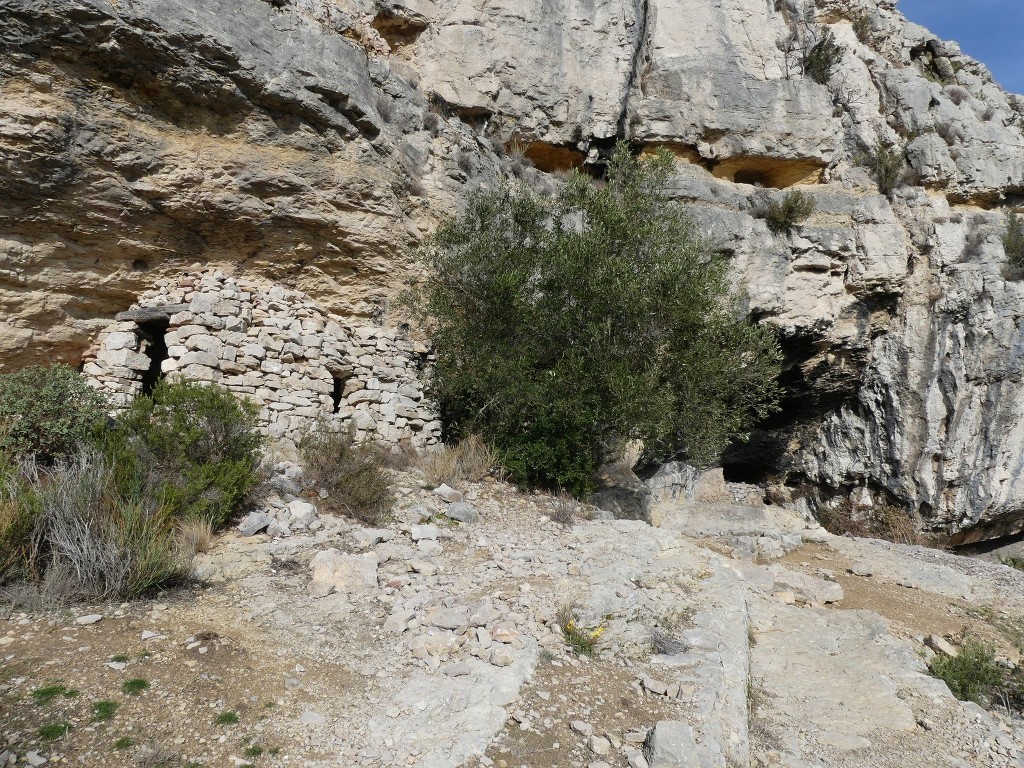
(313, 143)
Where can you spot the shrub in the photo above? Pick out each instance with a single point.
(353, 476)
(972, 675)
(783, 215)
(48, 412)
(567, 326)
(193, 446)
(1013, 241)
(885, 165)
(91, 541)
(821, 59)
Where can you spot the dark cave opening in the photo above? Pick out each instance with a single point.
(155, 348)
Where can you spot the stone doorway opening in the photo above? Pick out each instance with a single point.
(154, 346)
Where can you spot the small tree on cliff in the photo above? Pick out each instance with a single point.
(567, 326)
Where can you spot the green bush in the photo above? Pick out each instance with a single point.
(885, 165)
(194, 446)
(783, 215)
(972, 675)
(567, 326)
(48, 411)
(1013, 241)
(822, 58)
(353, 475)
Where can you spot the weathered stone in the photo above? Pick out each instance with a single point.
(337, 572)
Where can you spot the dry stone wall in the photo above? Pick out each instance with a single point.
(272, 346)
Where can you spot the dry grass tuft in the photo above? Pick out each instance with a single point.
(882, 521)
(471, 460)
(565, 510)
(195, 536)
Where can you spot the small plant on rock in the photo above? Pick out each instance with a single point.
(885, 165)
(782, 215)
(582, 640)
(1013, 242)
(103, 711)
(821, 59)
(227, 718)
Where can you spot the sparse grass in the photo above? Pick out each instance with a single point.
(103, 711)
(665, 643)
(353, 474)
(546, 656)
(582, 640)
(475, 458)
(43, 696)
(53, 731)
(135, 686)
(227, 718)
(120, 658)
(124, 743)
(862, 28)
(972, 675)
(957, 94)
(439, 465)
(564, 510)
(253, 751)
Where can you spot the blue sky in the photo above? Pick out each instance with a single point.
(989, 30)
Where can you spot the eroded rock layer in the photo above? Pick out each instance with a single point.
(314, 143)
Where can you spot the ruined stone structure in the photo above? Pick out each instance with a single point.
(275, 347)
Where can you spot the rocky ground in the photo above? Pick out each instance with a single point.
(729, 636)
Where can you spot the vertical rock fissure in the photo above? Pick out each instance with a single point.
(643, 16)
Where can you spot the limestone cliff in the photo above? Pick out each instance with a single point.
(313, 143)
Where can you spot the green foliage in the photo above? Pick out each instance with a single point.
(227, 718)
(885, 165)
(821, 59)
(353, 475)
(1013, 240)
(43, 696)
(972, 675)
(198, 447)
(103, 711)
(48, 412)
(567, 326)
(53, 731)
(124, 743)
(783, 215)
(134, 687)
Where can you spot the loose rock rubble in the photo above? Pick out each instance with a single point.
(431, 642)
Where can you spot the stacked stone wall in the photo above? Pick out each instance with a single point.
(275, 347)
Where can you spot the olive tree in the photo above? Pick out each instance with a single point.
(566, 326)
